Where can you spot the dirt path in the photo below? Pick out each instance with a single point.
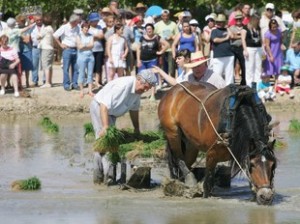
(57, 101)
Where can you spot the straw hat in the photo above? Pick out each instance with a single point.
(107, 10)
(238, 15)
(221, 18)
(197, 58)
(140, 6)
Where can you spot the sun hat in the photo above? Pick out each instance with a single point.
(73, 18)
(140, 5)
(284, 68)
(193, 22)
(221, 18)
(197, 58)
(107, 10)
(238, 15)
(94, 16)
(149, 76)
(78, 11)
(186, 14)
(270, 6)
(11, 22)
(210, 16)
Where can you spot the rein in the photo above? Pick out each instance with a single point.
(218, 135)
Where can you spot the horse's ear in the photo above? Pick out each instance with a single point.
(271, 144)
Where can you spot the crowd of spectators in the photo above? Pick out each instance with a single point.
(113, 42)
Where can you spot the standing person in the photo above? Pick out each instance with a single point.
(246, 14)
(237, 47)
(36, 52)
(273, 48)
(197, 32)
(46, 44)
(185, 40)
(68, 34)
(98, 49)
(10, 55)
(117, 51)
(150, 48)
(85, 58)
(223, 58)
(211, 24)
(252, 50)
(167, 30)
(118, 97)
(3, 24)
(267, 16)
(25, 53)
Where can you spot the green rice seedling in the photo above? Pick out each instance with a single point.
(114, 157)
(280, 145)
(110, 142)
(88, 130)
(294, 126)
(49, 126)
(30, 184)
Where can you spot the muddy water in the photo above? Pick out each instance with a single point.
(64, 165)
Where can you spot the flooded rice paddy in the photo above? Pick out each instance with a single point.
(63, 163)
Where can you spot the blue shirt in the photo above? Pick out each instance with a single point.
(293, 59)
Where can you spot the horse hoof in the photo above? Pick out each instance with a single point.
(190, 180)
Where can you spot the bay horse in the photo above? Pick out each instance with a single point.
(229, 124)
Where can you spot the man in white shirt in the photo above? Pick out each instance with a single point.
(36, 52)
(114, 100)
(3, 24)
(65, 37)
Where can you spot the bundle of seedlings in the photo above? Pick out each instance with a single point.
(294, 126)
(89, 133)
(49, 126)
(30, 184)
(110, 142)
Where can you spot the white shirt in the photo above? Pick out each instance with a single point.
(3, 26)
(209, 77)
(46, 41)
(67, 34)
(35, 32)
(119, 96)
(97, 43)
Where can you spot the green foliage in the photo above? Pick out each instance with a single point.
(294, 126)
(30, 184)
(49, 126)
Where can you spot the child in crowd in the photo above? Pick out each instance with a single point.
(284, 82)
(265, 89)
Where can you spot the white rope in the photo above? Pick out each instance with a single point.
(219, 136)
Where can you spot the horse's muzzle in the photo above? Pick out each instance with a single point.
(264, 196)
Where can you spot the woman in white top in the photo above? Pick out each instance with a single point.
(117, 51)
(46, 45)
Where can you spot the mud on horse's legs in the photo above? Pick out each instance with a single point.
(189, 177)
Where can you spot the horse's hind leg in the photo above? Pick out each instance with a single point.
(175, 172)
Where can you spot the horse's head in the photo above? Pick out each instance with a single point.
(262, 165)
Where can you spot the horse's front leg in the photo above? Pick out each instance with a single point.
(208, 183)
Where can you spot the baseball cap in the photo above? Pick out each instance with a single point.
(149, 76)
(270, 6)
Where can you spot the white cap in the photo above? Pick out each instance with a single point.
(209, 17)
(270, 6)
(193, 22)
(78, 11)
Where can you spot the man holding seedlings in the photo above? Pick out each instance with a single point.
(115, 99)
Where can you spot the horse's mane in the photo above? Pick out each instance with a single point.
(249, 135)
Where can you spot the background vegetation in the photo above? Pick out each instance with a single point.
(63, 8)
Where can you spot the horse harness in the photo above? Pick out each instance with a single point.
(237, 93)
